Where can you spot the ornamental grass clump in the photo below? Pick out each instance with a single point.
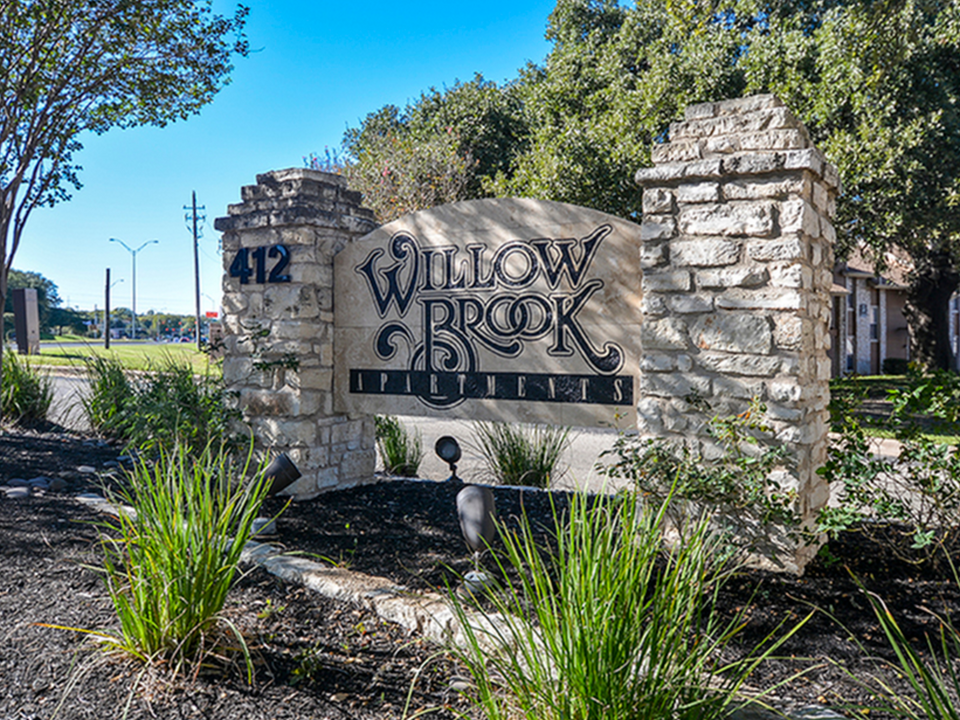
(519, 455)
(931, 673)
(928, 668)
(401, 450)
(25, 393)
(110, 393)
(606, 624)
(169, 564)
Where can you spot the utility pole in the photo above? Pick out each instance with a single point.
(196, 220)
(106, 313)
(106, 310)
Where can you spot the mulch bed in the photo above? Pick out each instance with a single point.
(317, 658)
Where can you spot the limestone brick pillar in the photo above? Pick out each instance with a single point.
(278, 250)
(737, 259)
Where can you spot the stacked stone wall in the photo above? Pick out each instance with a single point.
(737, 259)
(278, 336)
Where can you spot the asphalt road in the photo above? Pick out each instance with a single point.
(68, 390)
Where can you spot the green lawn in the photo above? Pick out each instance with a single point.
(140, 355)
(942, 439)
(875, 387)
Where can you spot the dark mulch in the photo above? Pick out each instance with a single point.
(315, 658)
(318, 658)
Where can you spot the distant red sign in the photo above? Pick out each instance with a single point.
(213, 314)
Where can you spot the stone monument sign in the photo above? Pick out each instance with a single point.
(502, 309)
(525, 310)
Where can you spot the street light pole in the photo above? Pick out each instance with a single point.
(133, 254)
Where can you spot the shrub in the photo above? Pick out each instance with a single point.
(400, 449)
(749, 498)
(518, 455)
(916, 494)
(167, 405)
(607, 625)
(894, 366)
(25, 393)
(174, 406)
(168, 566)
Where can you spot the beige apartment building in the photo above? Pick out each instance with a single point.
(868, 325)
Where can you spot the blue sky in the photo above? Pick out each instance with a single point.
(316, 67)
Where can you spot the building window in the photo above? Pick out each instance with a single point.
(875, 325)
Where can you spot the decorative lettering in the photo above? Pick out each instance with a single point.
(474, 297)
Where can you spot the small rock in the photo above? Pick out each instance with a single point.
(87, 470)
(40, 684)
(58, 484)
(18, 482)
(460, 684)
(263, 526)
(111, 464)
(815, 712)
(17, 493)
(754, 711)
(40, 482)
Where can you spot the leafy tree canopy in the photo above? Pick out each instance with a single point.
(445, 146)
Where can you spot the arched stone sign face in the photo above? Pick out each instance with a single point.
(501, 309)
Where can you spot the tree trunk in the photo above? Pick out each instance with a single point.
(934, 280)
(3, 304)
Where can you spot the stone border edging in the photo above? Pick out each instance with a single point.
(426, 613)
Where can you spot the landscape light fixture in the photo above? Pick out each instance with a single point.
(133, 254)
(476, 511)
(448, 450)
(281, 473)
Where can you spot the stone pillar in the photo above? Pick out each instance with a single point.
(278, 326)
(737, 259)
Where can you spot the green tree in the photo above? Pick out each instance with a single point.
(613, 81)
(876, 81)
(48, 297)
(878, 84)
(446, 146)
(72, 66)
(65, 319)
